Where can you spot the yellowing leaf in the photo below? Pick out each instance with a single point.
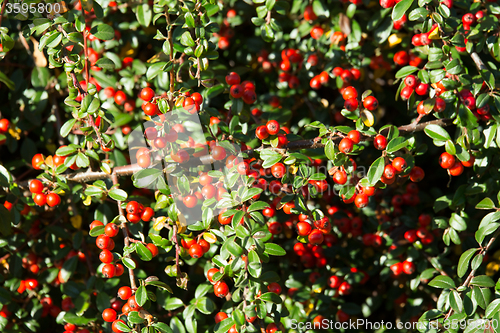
(15, 133)
(492, 268)
(159, 223)
(87, 201)
(368, 118)
(434, 33)
(293, 169)
(76, 221)
(209, 237)
(395, 39)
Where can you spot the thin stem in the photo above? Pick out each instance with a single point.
(479, 63)
(3, 10)
(85, 48)
(171, 44)
(126, 233)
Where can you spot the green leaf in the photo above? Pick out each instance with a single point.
(141, 295)
(72, 318)
(492, 308)
(118, 194)
(163, 328)
(134, 318)
(224, 325)
(274, 249)
(482, 281)
(68, 269)
(405, 71)
(103, 31)
(105, 63)
(463, 262)
(258, 205)
(457, 222)
(144, 15)
(376, 171)
(396, 144)
(436, 132)
(155, 69)
(205, 305)
(66, 129)
(129, 263)
(486, 203)
(160, 284)
(271, 297)
(330, 150)
(254, 265)
(384, 30)
(187, 39)
(400, 9)
(8, 82)
(143, 252)
(234, 248)
(456, 301)
(122, 326)
(96, 231)
(215, 90)
(173, 303)
(442, 281)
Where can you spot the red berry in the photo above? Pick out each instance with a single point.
(109, 315)
(261, 132)
(147, 94)
(417, 174)
(195, 251)
(36, 186)
(446, 160)
(370, 103)
(53, 199)
(355, 136)
(380, 142)
(422, 89)
(221, 289)
(456, 169)
(124, 293)
(120, 97)
(37, 161)
(346, 145)
(273, 127)
(351, 104)
(349, 92)
(411, 81)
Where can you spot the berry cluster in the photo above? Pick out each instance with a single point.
(196, 249)
(422, 233)
(454, 166)
(136, 212)
(245, 90)
(37, 189)
(350, 96)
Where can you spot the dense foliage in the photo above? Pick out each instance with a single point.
(238, 166)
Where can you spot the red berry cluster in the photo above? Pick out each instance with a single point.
(407, 267)
(454, 166)
(271, 130)
(150, 109)
(37, 189)
(403, 58)
(347, 75)
(350, 96)
(289, 58)
(136, 212)
(226, 32)
(196, 249)
(245, 90)
(422, 233)
(192, 102)
(412, 84)
(423, 39)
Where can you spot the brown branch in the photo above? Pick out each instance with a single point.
(171, 44)
(177, 249)
(126, 233)
(479, 63)
(85, 48)
(3, 10)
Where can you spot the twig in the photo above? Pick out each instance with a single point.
(177, 249)
(479, 63)
(3, 10)
(125, 230)
(171, 44)
(85, 48)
